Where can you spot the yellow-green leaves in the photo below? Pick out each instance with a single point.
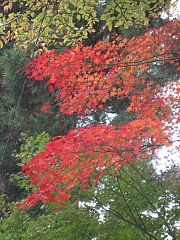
(1, 44)
(127, 12)
(50, 23)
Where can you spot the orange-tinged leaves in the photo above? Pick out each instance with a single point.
(74, 159)
(84, 79)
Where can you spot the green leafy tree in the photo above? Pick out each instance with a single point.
(129, 203)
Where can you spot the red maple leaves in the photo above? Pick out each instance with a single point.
(78, 158)
(84, 79)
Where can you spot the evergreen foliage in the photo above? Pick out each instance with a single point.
(21, 103)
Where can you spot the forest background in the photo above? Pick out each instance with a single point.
(89, 97)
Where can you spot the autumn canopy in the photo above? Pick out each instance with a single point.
(84, 79)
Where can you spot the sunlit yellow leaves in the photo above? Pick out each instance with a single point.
(57, 18)
(1, 44)
(60, 18)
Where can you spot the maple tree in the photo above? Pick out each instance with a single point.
(84, 79)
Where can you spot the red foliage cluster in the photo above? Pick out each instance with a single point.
(74, 159)
(84, 79)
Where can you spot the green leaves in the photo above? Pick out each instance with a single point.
(35, 22)
(136, 203)
(126, 13)
(133, 202)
